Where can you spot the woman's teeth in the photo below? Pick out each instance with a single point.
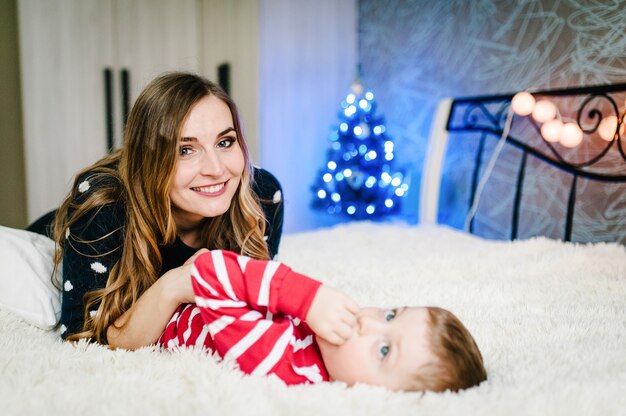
(209, 189)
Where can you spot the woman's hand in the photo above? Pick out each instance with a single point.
(179, 280)
(332, 315)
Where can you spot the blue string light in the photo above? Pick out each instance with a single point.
(358, 180)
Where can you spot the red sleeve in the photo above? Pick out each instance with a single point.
(233, 295)
(223, 279)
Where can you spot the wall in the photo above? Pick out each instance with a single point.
(416, 52)
(412, 52)
(307, 61)
(12, 176)
(292, 64)
(229, 31)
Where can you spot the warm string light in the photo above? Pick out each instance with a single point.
(553, 128)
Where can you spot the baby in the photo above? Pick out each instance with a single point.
(273, 320)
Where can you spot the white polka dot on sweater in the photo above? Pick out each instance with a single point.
(84, 186)
(277, 197)
(98, 267)
(68, 286)
(67, 232)
(63, 329)
(92, 313)
(265, 238)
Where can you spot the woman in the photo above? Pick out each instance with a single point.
(134, 221)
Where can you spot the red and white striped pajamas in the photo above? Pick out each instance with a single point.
(252, 311)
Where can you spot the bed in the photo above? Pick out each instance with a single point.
(548, 311)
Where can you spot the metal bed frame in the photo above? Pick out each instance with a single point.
(486, 115)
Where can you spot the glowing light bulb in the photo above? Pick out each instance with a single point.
(608, 128)
(544, 110)
(357, 88)
(572, 135)
(523, 103)
(552, 130)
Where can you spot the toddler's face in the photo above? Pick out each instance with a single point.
(386, 349)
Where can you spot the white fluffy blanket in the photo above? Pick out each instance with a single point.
(549, 317)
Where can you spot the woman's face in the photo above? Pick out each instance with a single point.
(209, 166)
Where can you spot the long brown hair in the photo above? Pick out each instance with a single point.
(138, 176)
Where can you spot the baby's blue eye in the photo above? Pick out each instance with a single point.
(389, 315)
(383, 350)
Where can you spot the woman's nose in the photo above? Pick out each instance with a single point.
(211, 164)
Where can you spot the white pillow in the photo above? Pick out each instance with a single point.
(25, 270)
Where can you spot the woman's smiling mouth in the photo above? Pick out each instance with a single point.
(211, 189)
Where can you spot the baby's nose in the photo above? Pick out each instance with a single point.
(366, 324)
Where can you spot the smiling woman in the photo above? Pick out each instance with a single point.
(209, 168)
(181, 184)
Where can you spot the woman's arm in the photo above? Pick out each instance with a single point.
(145, 321)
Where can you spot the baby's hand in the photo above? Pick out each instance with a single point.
(332, 315)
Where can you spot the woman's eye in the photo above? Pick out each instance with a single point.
(383, 350)
(185, 150)
(226, 143)
(390, 314)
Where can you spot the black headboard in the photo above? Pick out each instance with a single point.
(574, 194)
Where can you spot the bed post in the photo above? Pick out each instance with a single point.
(431, 174)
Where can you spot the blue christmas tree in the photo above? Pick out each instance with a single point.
(359, 179)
